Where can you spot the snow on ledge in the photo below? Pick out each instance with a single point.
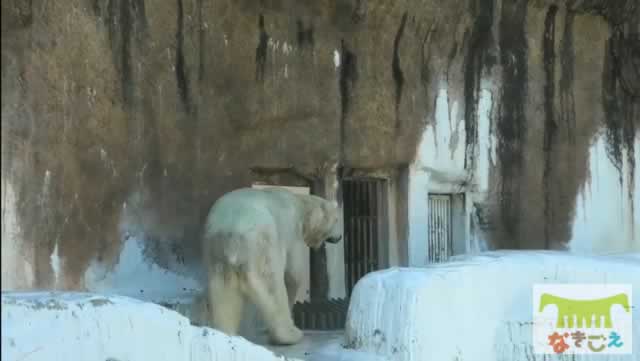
(81, 326)
(476, 308)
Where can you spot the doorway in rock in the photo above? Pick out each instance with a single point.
(364, 202)
(364, 211)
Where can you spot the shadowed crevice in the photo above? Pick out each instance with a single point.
(477, 60)
(261, 49)
(398, 75)
(511, 124)
(550, 125)
(181, 76)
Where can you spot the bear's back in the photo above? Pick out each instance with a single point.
(244, 209)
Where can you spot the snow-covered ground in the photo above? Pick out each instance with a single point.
(88, 327)
(323, 346)
(476, 308)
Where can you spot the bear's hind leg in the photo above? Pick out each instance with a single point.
(270, 296)
(226, 301)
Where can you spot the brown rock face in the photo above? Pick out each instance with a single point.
(130, 118)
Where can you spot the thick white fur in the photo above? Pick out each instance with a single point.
(248, 240)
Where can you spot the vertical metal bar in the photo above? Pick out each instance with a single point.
(429, 230)
(354, 245)
(440, 228)
(370, 211)
(361, 230)
(363, 224)
(347, 229)
(361, 235)
(451, 220)
(436, 221)
(438, 225)
(372, 222)
(449, 226)
(434, 217)
(345, 244)
(430, 235)
(378, 249)
(367, 226)
(435, 229)
(448, 213)
(375, 216)
(444, 229)
(353, 234)
(365, 235)
(346, 198)
(443, 225)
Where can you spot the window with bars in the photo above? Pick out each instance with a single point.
(440, 246)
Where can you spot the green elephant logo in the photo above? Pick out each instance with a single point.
(584, 309)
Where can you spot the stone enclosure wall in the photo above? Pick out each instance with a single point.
(127, 119)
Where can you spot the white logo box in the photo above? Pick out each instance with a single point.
(544, 323)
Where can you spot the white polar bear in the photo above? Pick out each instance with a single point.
(248, 240)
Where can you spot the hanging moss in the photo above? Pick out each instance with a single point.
(478, 59)
(511, 124)
(621, 103)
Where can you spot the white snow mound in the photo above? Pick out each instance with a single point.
(476, 308)
(88, 327)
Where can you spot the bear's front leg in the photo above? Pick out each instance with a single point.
(294, 270)
(293, 285)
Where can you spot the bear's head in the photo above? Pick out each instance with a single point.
(322, 222)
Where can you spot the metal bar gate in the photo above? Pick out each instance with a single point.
(362, 213)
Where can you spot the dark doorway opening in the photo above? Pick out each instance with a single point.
(364, 211)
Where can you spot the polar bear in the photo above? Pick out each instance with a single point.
(248, 242)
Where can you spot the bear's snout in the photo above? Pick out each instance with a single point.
(333, 239)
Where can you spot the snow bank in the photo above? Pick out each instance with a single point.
(87, 327)
(475, 308)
